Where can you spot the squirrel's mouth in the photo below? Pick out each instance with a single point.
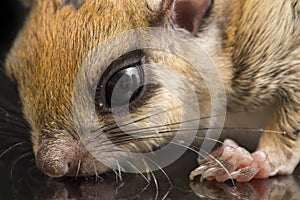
(191, 14)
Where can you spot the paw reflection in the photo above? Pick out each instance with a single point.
(274, 188)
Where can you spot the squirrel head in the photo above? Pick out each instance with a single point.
(56, 39)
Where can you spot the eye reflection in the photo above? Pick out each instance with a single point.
(125, 85)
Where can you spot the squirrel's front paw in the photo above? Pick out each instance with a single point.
(233, 162)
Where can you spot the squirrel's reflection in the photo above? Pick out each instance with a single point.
(131, 187)
(21, 180)
(135, 187)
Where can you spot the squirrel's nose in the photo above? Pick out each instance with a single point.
(56, 162)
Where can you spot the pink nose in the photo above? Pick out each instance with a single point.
(56, 162)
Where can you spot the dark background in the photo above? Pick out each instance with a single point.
(12, 15)
(16, 164)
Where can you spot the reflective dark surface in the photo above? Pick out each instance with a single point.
(20, 179)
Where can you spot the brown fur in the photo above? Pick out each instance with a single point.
(254, 43)
(267, 70)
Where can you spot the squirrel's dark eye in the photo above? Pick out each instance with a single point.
(122, 83)
(124, 86)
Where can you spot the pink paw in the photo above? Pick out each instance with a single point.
(233, 162)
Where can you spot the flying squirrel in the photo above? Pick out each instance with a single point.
(254, 44)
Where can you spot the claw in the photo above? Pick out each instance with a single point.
(197, 172)
(233, 162)
(201, 161)
(209, 173)
(245, 174)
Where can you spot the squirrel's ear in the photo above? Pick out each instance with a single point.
(190, 13)
(27, 3)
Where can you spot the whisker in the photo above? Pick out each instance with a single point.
(96, 174)
(159, 126)
(121, 133)
(111, 150)
(8, 121)
(132, 122)
(144, 177)
(107, 131)
(154, 179)
(121, 138)
(165, 174)
(120, 171)
(201, 153)
(12, 114)
(131, 132)
(17, 160)
(11, 148)
(142, 191)
(6, 116)
(78, 168)
(80, 126)
(119, 187)
(209, 155)
(139, 119)
(124, 139)
(117, 175)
